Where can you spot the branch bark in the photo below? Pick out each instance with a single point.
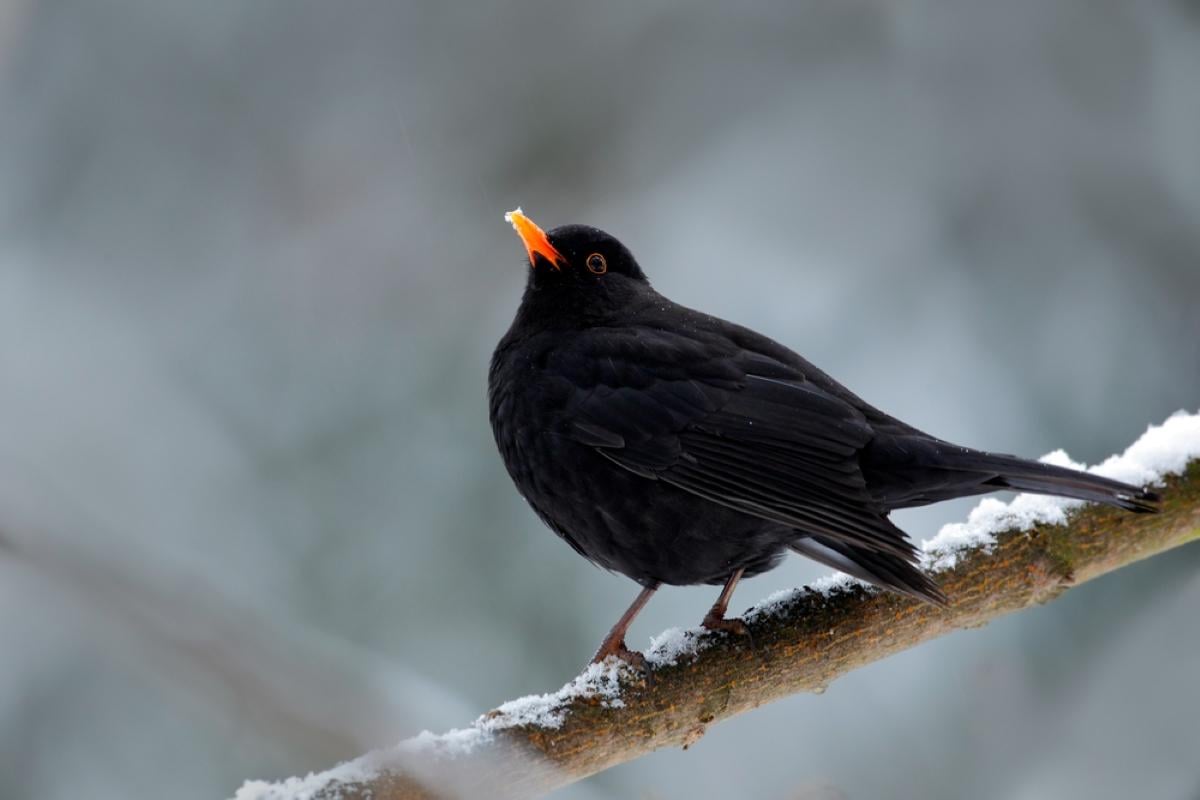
(802, 645)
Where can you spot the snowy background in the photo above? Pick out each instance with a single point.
(253, 264)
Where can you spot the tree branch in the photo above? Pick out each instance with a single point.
(802, 642)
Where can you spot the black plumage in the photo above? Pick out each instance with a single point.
(675, 447)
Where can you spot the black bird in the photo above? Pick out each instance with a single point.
(675, 447)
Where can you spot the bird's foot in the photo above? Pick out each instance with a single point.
(717, 622)
(616, 647)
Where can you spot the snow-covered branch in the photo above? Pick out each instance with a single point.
(1006, 557)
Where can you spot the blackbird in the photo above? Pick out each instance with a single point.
(675, 447)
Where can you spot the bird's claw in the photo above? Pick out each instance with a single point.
(735, 626)
(618, 649)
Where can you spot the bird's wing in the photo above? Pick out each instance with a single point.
(734, 426)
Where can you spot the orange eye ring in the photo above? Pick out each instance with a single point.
(596, 264)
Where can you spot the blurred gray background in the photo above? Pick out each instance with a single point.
(253, 264)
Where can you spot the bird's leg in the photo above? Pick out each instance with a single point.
(614, 643)
(715, 620)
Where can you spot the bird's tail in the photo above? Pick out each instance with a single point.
(911, 471)
(1034, 476)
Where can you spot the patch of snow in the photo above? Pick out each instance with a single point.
(834, 583)
(827, 586)
(1059, 458)
(777, 602)
(360, 770)
(781, 597)
(987, 519)
(1162, 450)
(599, 681)
(673, 644)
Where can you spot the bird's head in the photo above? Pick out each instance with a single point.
(577, 258)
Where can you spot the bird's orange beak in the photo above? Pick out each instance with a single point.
(535, 239)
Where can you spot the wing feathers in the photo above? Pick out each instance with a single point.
(771, 445)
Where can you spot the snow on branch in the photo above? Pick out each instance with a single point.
(1005, 557)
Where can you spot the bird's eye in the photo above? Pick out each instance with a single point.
(596, 264)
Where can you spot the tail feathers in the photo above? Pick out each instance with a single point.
(1034, 476)
(905, 471)
(885, 570)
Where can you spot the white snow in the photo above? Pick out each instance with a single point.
(601, 682)
(598, 681)
(360, 770)
(827, 586)
(1163, 450)
(668, 647)
(986, 520)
